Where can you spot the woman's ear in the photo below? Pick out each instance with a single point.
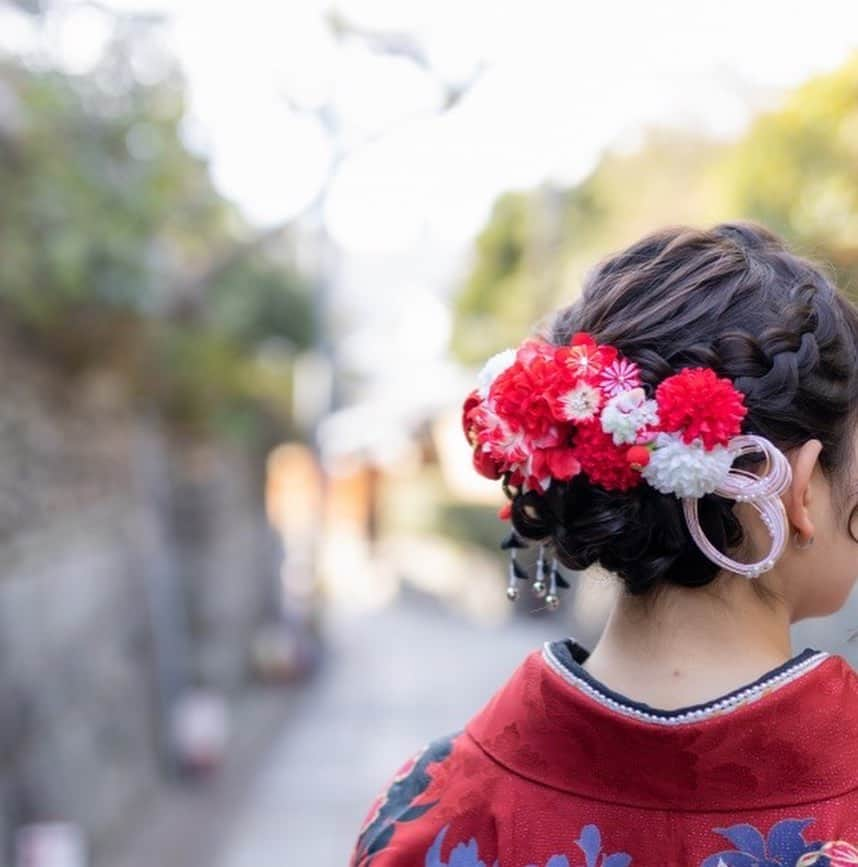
(798, 497)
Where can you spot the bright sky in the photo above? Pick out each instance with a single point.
(561, 81)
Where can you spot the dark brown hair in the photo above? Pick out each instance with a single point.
(733, 298)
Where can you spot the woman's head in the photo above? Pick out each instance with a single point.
(735, 299)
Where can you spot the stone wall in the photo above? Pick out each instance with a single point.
(132, 565)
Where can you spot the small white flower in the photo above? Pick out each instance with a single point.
(686, 469)
(626, 413)
(581, 403)
(498, 363)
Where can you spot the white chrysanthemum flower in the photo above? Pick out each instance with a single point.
(498, 363)
(626, 413)
(686, 469)
(581, 403)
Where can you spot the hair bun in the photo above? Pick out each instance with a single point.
(640, 535)
(734, 299)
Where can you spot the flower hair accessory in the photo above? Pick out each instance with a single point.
(544, 413)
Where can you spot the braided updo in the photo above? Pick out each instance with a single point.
(732, 298)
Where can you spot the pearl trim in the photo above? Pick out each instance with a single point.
(711, 709)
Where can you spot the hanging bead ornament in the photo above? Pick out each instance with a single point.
(539, 579)
(513, 543)
(552, 600)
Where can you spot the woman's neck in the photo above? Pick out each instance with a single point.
(694, 644)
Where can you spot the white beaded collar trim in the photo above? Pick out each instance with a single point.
(707, 710)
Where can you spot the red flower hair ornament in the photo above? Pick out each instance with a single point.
(544, 413)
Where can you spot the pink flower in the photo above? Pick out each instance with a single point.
(620, 375)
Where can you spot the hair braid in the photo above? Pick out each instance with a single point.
(732, 298)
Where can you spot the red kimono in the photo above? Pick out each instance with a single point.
(558, 770)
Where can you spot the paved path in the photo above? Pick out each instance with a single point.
(392, 680)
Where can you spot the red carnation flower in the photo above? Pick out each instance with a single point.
(522, 395)
(697, 402)
(544, 465)
(506, 444)
(562, 462)
(486, 465)
(603, 462)
(472, 401)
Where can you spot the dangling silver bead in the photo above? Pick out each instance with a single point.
(552, 584)
(538, 586)
(511, 589)
(552, 601)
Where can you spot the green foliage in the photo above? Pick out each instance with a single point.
(795, 170)
(536, 248)
(102, 203)
(108, 219)
(475, 525)
(256, 299)
(494, 301)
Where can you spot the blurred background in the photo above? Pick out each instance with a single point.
(251, 258)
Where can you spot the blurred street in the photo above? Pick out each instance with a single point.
(395, 679)
(391, 680)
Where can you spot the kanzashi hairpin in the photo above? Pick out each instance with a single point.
(546, 413)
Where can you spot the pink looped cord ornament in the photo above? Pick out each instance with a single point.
(762, 492)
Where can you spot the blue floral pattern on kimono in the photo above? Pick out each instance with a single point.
(589, 842)
(397, 803)
(784, 845)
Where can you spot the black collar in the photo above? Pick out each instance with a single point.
(571, 654)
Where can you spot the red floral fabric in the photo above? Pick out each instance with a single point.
(551, 773)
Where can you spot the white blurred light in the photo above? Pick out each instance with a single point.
(381, 14)
(373, 93)
(18, 31)
(274, 175)
(377, 200)
(370, 431)
(82, 35)
(412, 329)
(556, 92)
(425, 326)
(50, 844)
